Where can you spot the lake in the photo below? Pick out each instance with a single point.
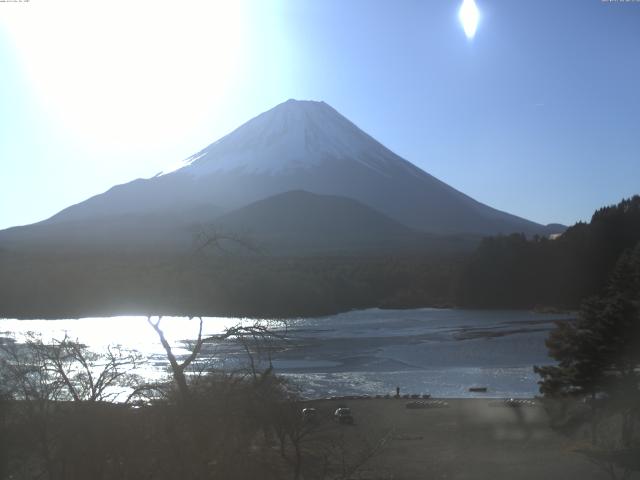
(438, 351)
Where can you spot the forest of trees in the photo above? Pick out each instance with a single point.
(516, 272)
(49, 285)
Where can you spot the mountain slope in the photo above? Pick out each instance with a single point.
(126, 232)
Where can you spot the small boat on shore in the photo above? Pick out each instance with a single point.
(478, 389)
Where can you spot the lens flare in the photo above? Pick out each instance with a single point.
(128, 73)
(469, 16)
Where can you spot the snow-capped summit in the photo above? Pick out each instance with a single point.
(297, 134)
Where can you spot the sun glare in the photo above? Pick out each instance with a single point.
(128, 73)
(469, 16)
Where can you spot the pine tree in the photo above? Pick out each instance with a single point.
(600, 351)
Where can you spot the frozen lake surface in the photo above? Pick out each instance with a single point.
(438, 351)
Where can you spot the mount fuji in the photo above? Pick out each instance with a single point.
(297, 146)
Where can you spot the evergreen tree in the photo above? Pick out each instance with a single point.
(600, 351)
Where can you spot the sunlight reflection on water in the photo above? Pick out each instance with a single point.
(442, 352)
(130, 332)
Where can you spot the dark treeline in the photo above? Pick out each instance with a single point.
(516, 272)
(45, 285)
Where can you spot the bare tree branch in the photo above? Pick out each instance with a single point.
(215, 239)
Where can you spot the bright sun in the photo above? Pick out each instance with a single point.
(125, 72)
(469, 16)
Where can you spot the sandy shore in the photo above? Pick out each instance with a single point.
(467, 439)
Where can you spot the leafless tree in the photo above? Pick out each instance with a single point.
(205, 399)
(213, 239)
(41, 377)
(257, 340)
(90, 376)
(178, 368)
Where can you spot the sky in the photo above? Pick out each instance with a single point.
(538, 114)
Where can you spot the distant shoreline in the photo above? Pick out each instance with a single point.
(545, 311)
(401, 399)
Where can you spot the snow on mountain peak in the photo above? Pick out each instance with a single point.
(296, 134)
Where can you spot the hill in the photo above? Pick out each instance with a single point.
(300, 222)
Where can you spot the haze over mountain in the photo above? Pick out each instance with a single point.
(295, 146)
